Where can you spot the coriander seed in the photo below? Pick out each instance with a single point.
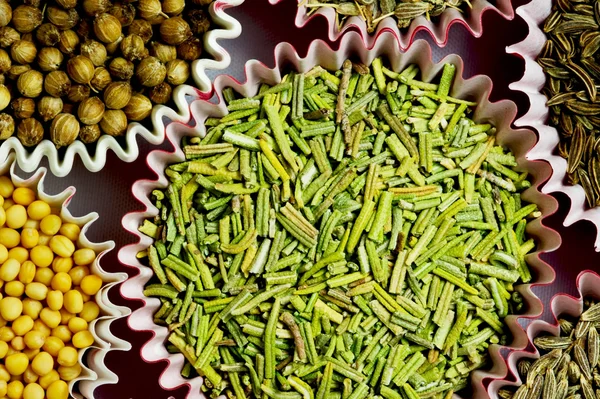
(67, 4)
(23, 52)
(149, 9)
(26, 18)
(107, 28)
(94, 8)
(160, 94)
(4, 97)
(112, 48)
(5, 62)
(178, 72)
(84, 29)
(47, 34)
(175, 31)
(48, 107)
(163, 52)
(95, 51)
(89, 133)
(190, 50)
(138, 108)
(8, 35)
(68, 42)
(121, 68)
(114, 122)
(199, 21)
(90, 111)
(125, 13)
(57, 84)
(117, 95)
(30, 83)
(150, 72)
(78, 93)
(101, 79)
(80, 69)
(142, 28)
(16, 70)
(173, 7)
(30, 132)
(5, 13)
(63, 19)
(23, 107)
(64, 130)
(7, 126)
(49, 59)
(133, 47)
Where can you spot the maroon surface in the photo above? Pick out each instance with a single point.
(108, 192)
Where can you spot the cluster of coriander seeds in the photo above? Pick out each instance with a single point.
(77, 69)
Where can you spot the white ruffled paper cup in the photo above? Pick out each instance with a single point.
(94, 371)
(471, 19)
(478, 88)
(588, 285)
(534, 14)
(126, 148)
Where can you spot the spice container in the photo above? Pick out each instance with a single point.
(566, 312)
(86, 68)
(351, 46)
(437, 27)
(91, 359)
(534, 14)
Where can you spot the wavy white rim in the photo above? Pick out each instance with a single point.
(61, 164)
(532, 82)
(588, 285)
(95, 373)
(500, 113)
(471, 20)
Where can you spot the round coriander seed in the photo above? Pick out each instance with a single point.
(163, 52)
(178, 72)
(57, 84)
(50, 59)
(17, 70)
(175, 31)
(125, 13)
(120, 68)
(151, 72)
(63, 19)
(132, 47)
(95, 51)
(199, 21)
(138, 108)
(160, 94)
(95, 7)
(149, 9)
(80, 69)
(5, 62)
(48, 107)
(117, 95)
(23, 52)
(67, 4)
(89, 133)
(78, 93)
(7, 126)
(5, 13)
(101, 79)
(31, 83)
(142, 28)
(30, 132)
(190, 50)
(47, 34)
(173, 7)
(4, 97)
(8, 35)
(26, 18)
(107, 28)
(90, 111)
(114, 122)
(23, 107)
(111, 48)
(68, 42)
(64, 130)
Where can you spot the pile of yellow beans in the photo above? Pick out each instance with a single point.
(46, 297)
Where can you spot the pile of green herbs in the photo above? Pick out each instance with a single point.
(342, 234)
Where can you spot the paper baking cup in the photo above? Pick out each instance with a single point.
(588, 285)
(534, 13)
(61, 162)
(94, 371)
(478, 88)
(471, 19)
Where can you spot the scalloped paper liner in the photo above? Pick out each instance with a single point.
(588, 285)
(534, 13)
(61, 164)
(95, 373)
(501, 114)
(471, 20)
